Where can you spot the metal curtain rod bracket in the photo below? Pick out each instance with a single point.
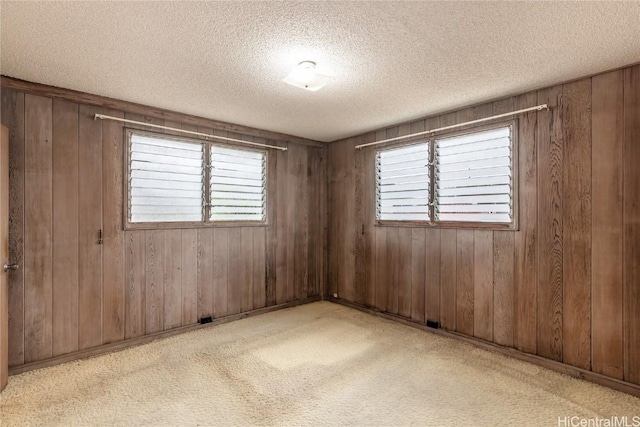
(223, 138)
(431, 131)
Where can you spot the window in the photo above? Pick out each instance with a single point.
(237, 185)
(403, 181)
(456, 179)
(168, 177)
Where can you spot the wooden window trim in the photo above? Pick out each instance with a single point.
(512, 226)
(206, 223)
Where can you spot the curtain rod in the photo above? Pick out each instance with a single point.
(224, 138)
(498, 116)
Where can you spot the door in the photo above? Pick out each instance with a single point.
(4, 257)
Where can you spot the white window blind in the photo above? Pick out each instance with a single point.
(165, 180)
(402, 183)
(474, 176)
(237, 185)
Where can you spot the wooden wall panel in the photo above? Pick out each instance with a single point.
(205, 273)
(503, 288)
(359, 247)
(12, 115)
(135, 290)
(65, 227)
(576, 211)
(301, 222)
(259, 268)
(464, 281)
(550, 202)
(631, 225)
(221, 253)
(607, 124)
(113, 251)
(417, 267)
(382, 270)
(89, 226)
(235, 271)
(272, 235)
(171, 253)
(448, 278)
(38, 224)
(246, 275)
(154, 285)
(282, 225)
(73, 293)
(483, 280)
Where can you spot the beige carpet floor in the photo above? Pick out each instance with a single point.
(317, 364)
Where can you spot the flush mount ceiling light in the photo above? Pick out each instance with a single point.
(305, 76)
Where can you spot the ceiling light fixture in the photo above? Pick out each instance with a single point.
(305, 76)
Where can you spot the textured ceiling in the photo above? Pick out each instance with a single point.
(392, 61)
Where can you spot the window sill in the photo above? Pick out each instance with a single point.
(183, 225)
(448, 225)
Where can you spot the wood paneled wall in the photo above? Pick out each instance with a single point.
(566, 284)
(72, 293)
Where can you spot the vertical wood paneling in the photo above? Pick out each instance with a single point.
(12, 115)
(235, 273)
(393, 268)
(65, 227)
(405, 244)
(464, 281)
(503, 287)
(272, 235)
(220, 272)
(290, 203)
(282, 226)
(154, 286)
(316, 212)
(382, 283)
(171, 279)
(205, 272)
(448, 278)
(360, 266)
(432, 293)
(135, 304)
(418, 276)
(114, 248)
(483, 308)
(189, 277)
(607, 125)
(38, 261)
(550, 204)
(631, 225)
(526, 238)
(301, 221)
(90, 313)
(259, 268)
(576, 220)
(246, 273)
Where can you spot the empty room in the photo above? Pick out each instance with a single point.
(320, 213)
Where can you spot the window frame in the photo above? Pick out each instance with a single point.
(206, 222)
(430, 139)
